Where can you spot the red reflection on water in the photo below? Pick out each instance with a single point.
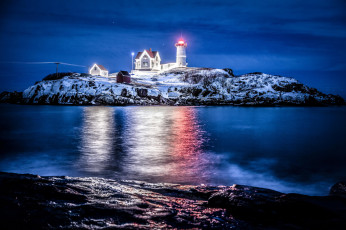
(187, 142)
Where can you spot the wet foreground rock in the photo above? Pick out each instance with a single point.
(34, 202)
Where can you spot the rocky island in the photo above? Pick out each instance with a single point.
(178, 86)
(35, 202)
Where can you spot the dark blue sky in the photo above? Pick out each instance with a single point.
(301, 39)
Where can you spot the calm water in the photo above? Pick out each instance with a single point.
(287, 149)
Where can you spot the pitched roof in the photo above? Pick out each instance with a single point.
(124, 73)
(101, 67)
(152, 54)
(138, 55)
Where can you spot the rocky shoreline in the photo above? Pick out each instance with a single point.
(187, 86)
(35, 202)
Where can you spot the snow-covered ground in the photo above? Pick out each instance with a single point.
(179, 86)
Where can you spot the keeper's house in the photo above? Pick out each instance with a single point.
(99, 70)
(148, 60)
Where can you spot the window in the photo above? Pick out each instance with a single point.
(145, 61)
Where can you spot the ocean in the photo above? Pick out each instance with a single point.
(288, 149)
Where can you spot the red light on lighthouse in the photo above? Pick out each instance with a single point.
(181, 42)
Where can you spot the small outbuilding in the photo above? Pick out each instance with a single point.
(123, 77)
(98, 69)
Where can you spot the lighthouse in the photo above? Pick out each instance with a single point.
(181, 53)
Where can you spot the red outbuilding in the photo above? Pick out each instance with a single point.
(123, 77)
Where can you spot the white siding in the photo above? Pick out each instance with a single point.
(145, 62)
(96, 71)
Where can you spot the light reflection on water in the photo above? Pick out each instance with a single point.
(165, 145)
(160, 145)
(147, 141)
(286, 149)
(98, 135)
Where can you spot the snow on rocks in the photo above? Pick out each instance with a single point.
(179, 86)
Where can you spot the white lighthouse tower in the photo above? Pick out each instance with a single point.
(181, 53)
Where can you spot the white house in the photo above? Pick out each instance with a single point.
(100, 70)
(148, 60)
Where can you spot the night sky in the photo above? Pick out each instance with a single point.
(301, 39)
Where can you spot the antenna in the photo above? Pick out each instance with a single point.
(57, 64)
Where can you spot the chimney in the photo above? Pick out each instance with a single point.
(150, 49)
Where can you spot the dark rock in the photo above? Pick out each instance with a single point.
(268, 207)
(57, 76)
(292, 87)
(339, 189)
(254, 73)
(142, 92)
(123, 92)
(196, 92)
(11, 97)
(338, 100)
(245, 200)
(229, 71)
(34, 202)
(85, 75)
(205, 93)
(91, 83)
